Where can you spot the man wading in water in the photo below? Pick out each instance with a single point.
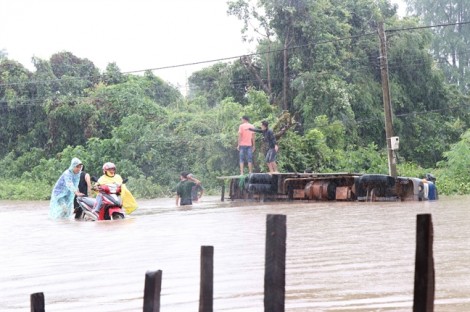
(184, 189)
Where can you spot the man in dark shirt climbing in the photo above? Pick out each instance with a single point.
(271, 143)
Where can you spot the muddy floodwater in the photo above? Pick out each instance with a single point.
(341, 256)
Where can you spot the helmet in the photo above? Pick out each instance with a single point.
(108, 165)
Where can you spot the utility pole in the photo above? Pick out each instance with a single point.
(392, 161)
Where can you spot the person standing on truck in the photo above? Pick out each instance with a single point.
(246, 144)
(270, 140)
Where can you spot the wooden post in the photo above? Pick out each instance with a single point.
(275, 264)
(37, 302)
(222, 196)
(152, 290)
(423, 300)
(206, 291)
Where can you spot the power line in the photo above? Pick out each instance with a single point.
(201, 62)
(427, 27)
(321, 42)
(241, 82)
(294, 47)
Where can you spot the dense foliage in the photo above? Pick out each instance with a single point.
(315, 78)
(450, 45)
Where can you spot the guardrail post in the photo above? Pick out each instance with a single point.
(37, 302)
(206, 292)
(152, 290)
(423, 300)
(275, 263)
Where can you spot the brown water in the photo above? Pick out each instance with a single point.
(340, 256)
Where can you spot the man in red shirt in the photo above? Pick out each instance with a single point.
(246, 144)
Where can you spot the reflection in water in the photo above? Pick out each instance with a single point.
(340, 256)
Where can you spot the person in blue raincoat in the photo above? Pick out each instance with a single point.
(65, 190)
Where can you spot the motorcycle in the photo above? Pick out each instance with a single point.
(111, 208)
(84, 211)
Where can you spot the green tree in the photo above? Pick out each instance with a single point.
(44, 80)
(454, 173)
(75, 74)
(20, 110)
(429, 112)
(219, 81)
(113, 75)
(257, 24)
(67, 120)
(278, 18)
(161, 92)
(450, 43)
(114, 102)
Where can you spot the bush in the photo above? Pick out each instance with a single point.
(25, 190)
(143, 187)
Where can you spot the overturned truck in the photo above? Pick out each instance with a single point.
(330, 187)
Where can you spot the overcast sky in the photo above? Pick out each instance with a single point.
(135, 34)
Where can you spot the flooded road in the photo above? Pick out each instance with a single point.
(340, 256)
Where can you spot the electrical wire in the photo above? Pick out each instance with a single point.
(355, 64)
(321, 42)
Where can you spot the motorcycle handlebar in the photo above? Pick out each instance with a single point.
(94, 179)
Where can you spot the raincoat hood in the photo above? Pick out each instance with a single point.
(75, 161)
